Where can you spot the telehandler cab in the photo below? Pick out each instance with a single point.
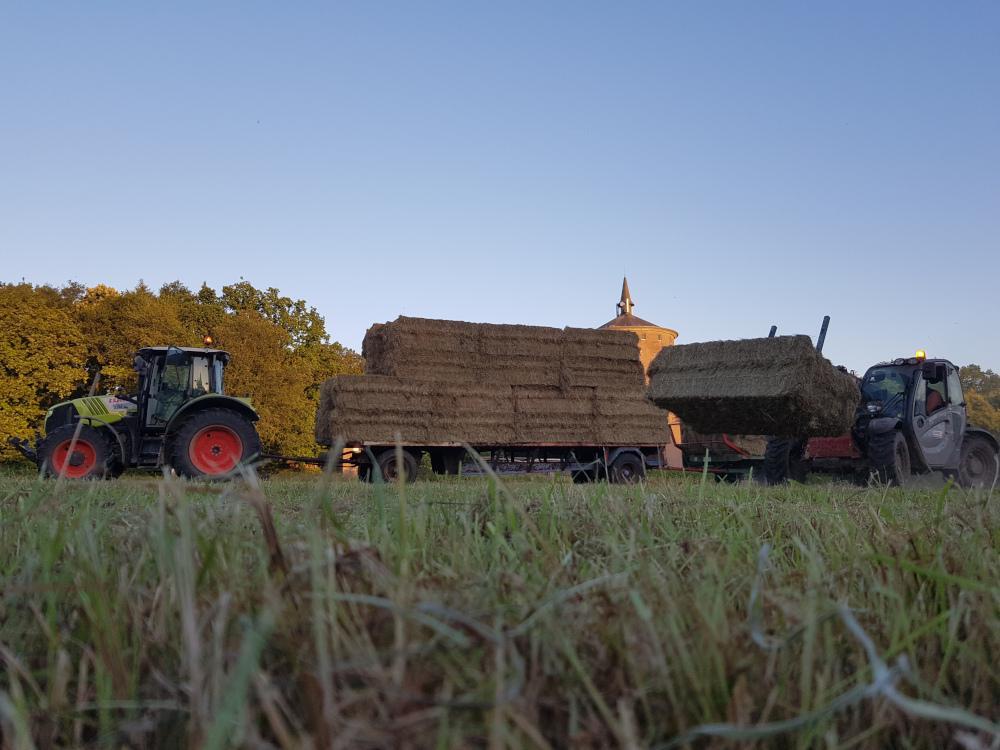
(180, 417)
(911, 420)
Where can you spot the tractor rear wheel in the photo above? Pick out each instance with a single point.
(90, 457)
(979, 465)
(889, 457)
(213, 443)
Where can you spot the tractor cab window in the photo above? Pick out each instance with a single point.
(955, 395)
(217, 370)
(886, 386)
(172, 383)
(200, 376)
(935, 394)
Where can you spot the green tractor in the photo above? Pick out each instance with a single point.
(181, 417)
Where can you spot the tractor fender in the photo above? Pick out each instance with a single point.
(980, 432)
(212, 401)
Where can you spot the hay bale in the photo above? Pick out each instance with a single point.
(767, 386)
(373, 408)
(501, 354)
(438, 381)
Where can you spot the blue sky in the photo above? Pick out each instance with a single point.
(744, 163)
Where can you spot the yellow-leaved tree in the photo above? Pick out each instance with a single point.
(42, 359)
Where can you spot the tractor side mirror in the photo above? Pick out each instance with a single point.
(933, 371)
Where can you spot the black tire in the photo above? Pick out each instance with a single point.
(979, 465)
(91, 457)
(784, 460)
(628, 468)
(390, 468)
(889, 457)
(212, 444)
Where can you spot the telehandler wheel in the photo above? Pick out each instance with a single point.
(90, 458)
(979, 465)
(212, 443)
(784, 460)
(391, 468)
(889, 457)
(628, 468)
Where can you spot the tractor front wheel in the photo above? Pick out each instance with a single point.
(784, 460)
(87, 457)
(889, 456)
(213, 443)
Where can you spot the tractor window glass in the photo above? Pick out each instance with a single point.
(955, 388)
(883, 383)
(217, 370)
(200, 384)
(935, 394)
(920, 398)
(886, 386)
(175, 381)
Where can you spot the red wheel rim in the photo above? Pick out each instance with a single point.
(77, 464)
(215, 450)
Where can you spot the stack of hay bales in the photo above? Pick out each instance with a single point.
(441, 381)
(766, 386)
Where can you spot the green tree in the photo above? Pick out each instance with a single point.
(41, 359)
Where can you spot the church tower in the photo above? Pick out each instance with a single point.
(652, 337)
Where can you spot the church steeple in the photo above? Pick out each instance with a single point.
(625, 305)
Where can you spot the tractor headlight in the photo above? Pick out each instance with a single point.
(873, 409)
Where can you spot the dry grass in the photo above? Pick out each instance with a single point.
(307, 612)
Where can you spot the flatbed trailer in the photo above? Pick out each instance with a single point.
(622, 464)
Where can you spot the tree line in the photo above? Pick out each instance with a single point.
(54, 341)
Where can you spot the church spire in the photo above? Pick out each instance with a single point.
(625, 305)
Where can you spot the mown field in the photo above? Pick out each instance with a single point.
(317, 612)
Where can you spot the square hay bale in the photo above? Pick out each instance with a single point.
(457, 351)
(766, 386)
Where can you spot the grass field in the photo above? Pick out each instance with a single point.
(308, 611)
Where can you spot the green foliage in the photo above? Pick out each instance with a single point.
(55, 340)
(982, 395)
(41, 359)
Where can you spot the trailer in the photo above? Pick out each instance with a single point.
(618, 464)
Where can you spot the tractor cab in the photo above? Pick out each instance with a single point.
(171, 376)
(921, 400)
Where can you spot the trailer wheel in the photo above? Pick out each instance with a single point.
(784, 461)
(889, 456)
(213, 443)
(628, 468)
(979, 465)
(390, 467)
(90, 458)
